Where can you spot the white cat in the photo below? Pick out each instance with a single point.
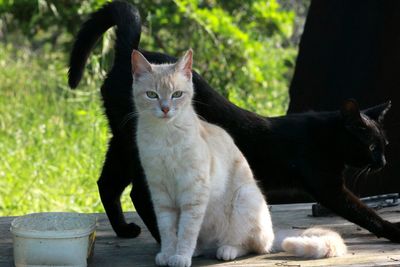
(202, 187)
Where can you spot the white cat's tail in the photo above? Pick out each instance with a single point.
(315, 243)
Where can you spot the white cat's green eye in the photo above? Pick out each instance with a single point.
(177, 94)
(151, 94)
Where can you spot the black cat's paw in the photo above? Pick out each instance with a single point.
(391, 231)
(130, 230)
(397, 224)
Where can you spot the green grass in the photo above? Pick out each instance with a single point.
(52, 139)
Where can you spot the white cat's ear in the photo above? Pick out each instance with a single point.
(185, 63)
(140, 65)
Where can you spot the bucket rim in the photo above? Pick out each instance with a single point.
(32, 225)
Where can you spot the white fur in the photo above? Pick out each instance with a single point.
(315, 243)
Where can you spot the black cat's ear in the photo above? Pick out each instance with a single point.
(383, 113)
(140, 65)
(350, 111)
(377, 113)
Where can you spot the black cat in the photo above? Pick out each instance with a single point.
(308, 151)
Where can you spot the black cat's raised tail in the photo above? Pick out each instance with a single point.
(121, 165)
(117, 13)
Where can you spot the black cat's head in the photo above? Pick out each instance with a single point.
(364, 138)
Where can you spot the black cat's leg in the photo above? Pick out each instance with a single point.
(140, 196)
(344, 203)
(111, 184)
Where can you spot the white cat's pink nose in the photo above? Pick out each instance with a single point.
(165, 109)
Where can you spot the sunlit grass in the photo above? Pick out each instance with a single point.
(52, 139)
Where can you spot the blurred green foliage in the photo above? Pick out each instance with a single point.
(53, 140)
(243, 48)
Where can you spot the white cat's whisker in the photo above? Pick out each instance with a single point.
(130, 116)
(202, 118)
(127, 118)
(200, 102)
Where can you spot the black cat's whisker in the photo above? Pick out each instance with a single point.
(356, 175)
(359, 174)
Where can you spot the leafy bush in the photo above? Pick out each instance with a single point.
(241, 47)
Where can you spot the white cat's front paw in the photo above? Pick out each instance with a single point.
(179, 261)
(162, 259)
(227, 253)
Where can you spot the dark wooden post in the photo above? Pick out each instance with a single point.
(351, 49)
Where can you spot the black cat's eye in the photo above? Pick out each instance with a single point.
(151, 94)
(177, 94)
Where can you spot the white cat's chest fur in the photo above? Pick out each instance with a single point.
(176, 156)
(178, 159)
(169, 156)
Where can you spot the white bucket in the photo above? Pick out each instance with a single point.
(53, 239)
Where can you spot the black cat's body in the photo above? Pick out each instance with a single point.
(306, 151)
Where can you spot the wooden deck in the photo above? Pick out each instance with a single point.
(364, 248)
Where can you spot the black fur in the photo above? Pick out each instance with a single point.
(121, 163)
(307, 151)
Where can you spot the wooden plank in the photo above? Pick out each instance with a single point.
(364, 248)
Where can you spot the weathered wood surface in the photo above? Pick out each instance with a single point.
(364, 248)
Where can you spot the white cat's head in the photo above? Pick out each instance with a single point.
(162, 91)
